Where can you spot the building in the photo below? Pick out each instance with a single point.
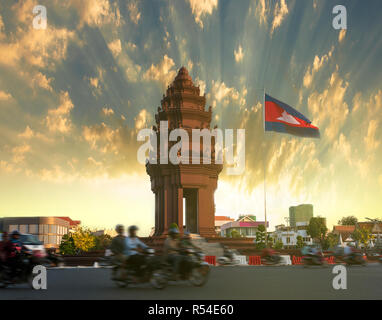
(288, 235)
(49, 230)
(105, 232)
(374, 228)
(246, 225)
(184, 193)
(301, 213)
(219, 221)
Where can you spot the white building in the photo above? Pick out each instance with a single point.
(288, 235)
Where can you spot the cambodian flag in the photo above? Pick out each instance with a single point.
(280, 117)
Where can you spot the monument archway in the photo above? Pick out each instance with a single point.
(184, 107)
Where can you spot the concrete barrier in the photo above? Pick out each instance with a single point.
(285, 260)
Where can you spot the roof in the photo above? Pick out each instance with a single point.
(72, 223)
(223, 218)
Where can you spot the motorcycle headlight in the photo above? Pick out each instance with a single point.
(201, 255)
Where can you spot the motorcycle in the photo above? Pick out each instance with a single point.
(271, 260)
(151, 272)
(314, 260)
(23, 273)
(228, 259)
(354, 259)
(192, 267)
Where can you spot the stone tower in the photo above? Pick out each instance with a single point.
(190, 184)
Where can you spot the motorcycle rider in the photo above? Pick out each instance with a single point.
(171, 249)
(134, 248)
(186, 241)
(268, 254)
(3, 251)
(118, 248)
(13, 249)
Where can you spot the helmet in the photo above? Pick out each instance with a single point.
(15, 233)
(133, 228)
(173, 231)
(119, 227)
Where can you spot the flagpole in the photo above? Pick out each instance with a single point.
(265, 186)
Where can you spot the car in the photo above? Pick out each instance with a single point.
(31, 242)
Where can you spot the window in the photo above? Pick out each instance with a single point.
(46, 239)
(13, 227)
(23, 228)
(40, 228)
(33, 228)
(52, 239)
(287, 240)
(52, 228)
(46, 228)
(41, 237)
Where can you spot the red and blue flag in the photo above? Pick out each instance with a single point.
(280, 117)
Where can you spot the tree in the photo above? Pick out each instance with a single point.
(300, 242)
(102, 242)
(279, 245)
(235, 234)
(317, 228)
(362, 235)
(330, 241)
(83, 239)
(348, 221)
(67, 245)
(260, 237)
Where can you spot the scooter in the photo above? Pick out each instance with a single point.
(228, 259)
(314, 260)
(151, 271)
(192, 268)
(23, 273)
(355, 258)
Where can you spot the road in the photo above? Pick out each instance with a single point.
(288, 282)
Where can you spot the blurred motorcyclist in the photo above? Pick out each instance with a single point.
(186, 241)
(267, 254)
(171, 249)
(134, 247)
(13, 249)
(3, 248)
(118, 248)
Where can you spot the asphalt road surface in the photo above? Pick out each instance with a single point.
(288, 282)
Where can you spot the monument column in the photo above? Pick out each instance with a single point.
(183, 107)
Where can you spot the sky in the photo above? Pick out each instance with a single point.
(74, 96)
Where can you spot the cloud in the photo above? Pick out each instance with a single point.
(370, 140)
(262, 11)
(58, 120)
(329, 107)
(341, 35)
(280, 12)
(4, 96)
(41, 81)
(96, 12)
(134, 12)
(115, 47)
(19, 153)
(107, 111)
(164, 72)
(27, 134)
(239, 55)
(318, 63)
(142, 119)
(202, 8)
(221, 93)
